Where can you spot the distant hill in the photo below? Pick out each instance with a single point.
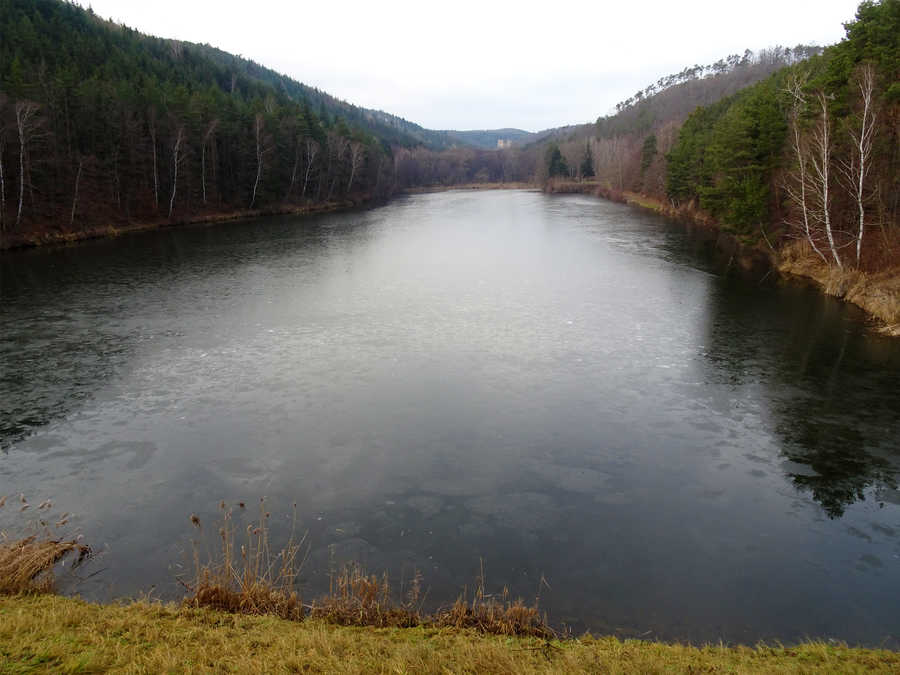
(490, 139)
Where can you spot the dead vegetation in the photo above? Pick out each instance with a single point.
(497, 616)
(878, 293)
(27, 563)
(246, 578)
(356, 598)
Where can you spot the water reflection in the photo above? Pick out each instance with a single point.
(829, 379)
(556, 385)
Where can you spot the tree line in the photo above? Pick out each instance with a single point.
(809, 153)
(101, 125)
(814, 148)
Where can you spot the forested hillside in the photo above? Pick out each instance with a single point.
(815, 148)
(653, 116)
(101, 125)
(808, 157)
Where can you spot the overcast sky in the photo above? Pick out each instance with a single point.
(485, 64)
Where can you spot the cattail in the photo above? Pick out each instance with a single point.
(22, 497)
(195, 520)
(222, 504)
(241, 504)
(2, 502)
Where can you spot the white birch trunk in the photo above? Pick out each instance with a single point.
(175, 151)
(258, 158)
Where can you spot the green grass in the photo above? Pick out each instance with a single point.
(53, 634)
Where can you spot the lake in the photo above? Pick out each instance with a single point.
(557, 386)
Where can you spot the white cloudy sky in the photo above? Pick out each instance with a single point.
(484, 64)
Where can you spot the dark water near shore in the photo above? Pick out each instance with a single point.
(558, 385)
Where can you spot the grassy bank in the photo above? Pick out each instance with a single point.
(43, 634)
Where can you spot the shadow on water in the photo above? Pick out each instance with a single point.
(834, 408)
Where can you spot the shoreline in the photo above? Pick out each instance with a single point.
(49, 633)
(877, 294)
(43, 239)
(110, 231)
(428, 189)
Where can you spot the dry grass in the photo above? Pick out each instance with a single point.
(356, 598)
(246, 578)
(51, 634)
(27, 563)
(497, 616)
(878, 293)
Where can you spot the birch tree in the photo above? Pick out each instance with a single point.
(820, 176)
(176, 158)
(258, 125)
(210, 130)
(856, 170)
(312, 149)
(290, 189)
(797, 193)
(26, 123)
(151, 125)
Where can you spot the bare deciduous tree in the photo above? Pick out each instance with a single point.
(258, 125)
(206, 137)
(176, 158)
(357, 155)
(26, 123)
(797, 193)
(312, 149)
(820, 176)
(856, 170)
(337, 147)
(151, 124)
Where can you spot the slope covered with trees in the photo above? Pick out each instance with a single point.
(814, 148)
(101, 126)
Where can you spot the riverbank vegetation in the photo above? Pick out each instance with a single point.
(804, 164)
(46, 633)
(244, 612)
(357, 628)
